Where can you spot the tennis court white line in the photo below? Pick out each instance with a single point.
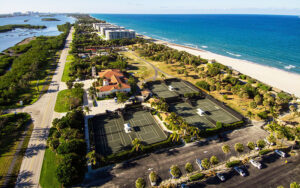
(121, 136)
(157, 136)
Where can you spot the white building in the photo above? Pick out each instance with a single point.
(120, 34)
(110, 31)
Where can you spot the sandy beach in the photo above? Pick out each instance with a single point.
(280, 79)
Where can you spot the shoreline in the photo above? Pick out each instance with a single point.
(277, 78)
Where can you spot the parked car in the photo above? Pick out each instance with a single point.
(240, 171)
(220, 176)
(280, 153)
(199, 163)
(256, 164)
(270, 143)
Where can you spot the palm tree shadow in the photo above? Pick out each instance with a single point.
(34, 149)
(23, 179)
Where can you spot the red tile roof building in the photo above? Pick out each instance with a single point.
(113, 81)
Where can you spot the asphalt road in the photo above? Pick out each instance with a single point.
(124, 175)
(42, 113)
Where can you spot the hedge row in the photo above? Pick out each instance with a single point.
(264, 151)
(196, 177)
(128, 154)
(233, 163)
(225, 127)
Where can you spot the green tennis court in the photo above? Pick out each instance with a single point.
(213, 111)
(162, 91)
(181, 87)
(110, 136)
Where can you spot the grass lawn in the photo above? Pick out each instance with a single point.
(48, 178)
(138, 68)
(64, 97)
(65, 76)
(9, 145)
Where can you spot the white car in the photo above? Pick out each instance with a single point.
(199, 163)
(220, 176)
(280, 153)
(256, 164)
(240, 171)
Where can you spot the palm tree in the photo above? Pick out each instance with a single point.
(87, 110)
(92, 157)
(92, 92)
(175, 136)
(196, 132)
(137, 145)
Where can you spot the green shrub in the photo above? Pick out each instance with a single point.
(140, 183)
(213, 131)
(263, 115)
(214, 160)
(264, 152)
(175, 171)
(239, 147)
(261, 143)
(153, 176)
(196, 177)
(205, 163)
(189, 167)
(204, 85)
(233, 163)
(253, 104)
(187, 138)
(251, 145)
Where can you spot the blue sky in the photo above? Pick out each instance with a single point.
(154, 6)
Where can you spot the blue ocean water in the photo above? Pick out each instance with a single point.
(11, 38)
(270, 40)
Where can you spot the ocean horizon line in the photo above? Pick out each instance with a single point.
(240, 14)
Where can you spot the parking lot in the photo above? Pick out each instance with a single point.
(110, 136)
(273, 174)
(162, 160)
